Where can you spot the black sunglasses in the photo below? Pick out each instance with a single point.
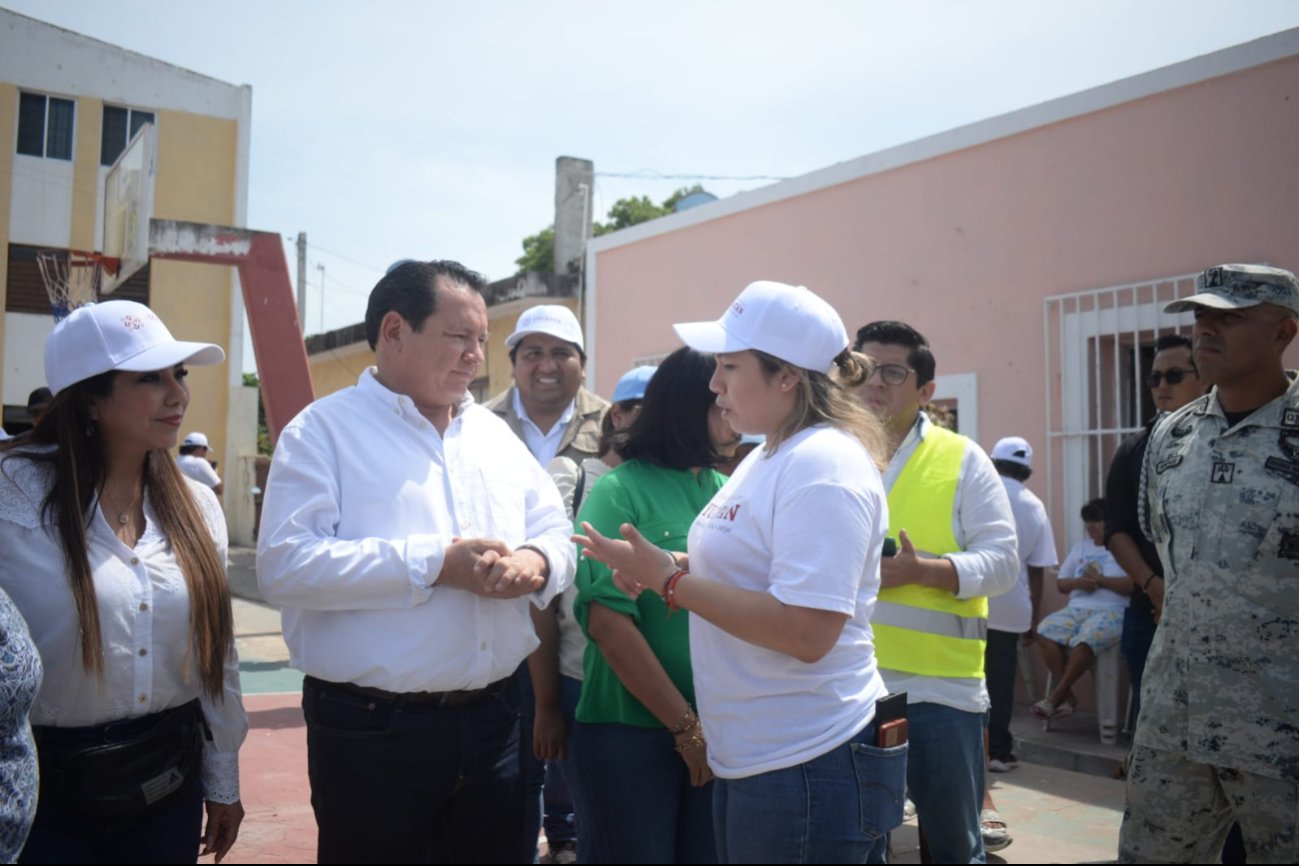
(1174, 376)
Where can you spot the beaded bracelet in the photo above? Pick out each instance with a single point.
(670, 589)
(688, 721)
(696, 739)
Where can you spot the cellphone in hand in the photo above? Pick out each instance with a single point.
(890, 547)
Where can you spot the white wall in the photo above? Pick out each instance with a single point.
(40, 210)
(49, 59)
(24, 356)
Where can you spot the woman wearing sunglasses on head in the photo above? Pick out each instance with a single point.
(117, 562)
(780, 581)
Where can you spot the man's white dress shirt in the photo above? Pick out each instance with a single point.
(544, 446)
(363, 499)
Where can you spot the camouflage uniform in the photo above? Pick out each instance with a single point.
(1218, 735)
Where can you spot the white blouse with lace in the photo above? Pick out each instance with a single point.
(149, 663)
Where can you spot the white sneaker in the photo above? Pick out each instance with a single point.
(1003, 765)
(908, 810)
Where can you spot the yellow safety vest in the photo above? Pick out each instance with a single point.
(919, 629)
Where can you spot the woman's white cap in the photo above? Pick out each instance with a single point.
(116, 335)
(789, 322)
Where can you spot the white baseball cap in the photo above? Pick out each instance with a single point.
(789, 322)
(116, 335)
(1015, 449)
(553, 319)
(194, 438)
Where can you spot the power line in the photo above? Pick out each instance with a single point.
(655, 174)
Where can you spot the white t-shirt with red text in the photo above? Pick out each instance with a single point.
(806, 525)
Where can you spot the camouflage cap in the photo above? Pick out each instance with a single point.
(1234, 287)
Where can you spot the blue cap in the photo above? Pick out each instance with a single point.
(632, 384)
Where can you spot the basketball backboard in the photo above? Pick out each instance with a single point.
(128, 206)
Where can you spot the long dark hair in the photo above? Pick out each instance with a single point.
(672, 428)
(78, 465)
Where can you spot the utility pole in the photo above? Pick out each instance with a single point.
(321, 268)
(302, 281)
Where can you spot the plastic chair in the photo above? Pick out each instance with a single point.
(1105, 675)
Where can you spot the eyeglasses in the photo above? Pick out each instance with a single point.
(891, 374)
(1174, 376)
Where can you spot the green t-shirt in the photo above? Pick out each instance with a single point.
(661, 503)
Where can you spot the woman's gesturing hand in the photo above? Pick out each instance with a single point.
(636, 563)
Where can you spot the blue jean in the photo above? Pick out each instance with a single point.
(549, 786)
(639, 804)
(1138, 635)
(394, 781)
(62, 833)
(945, 781)
(835, 808)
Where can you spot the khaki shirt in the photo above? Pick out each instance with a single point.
(1222, 507)
(581, 437)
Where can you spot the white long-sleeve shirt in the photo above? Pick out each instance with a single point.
(144, 621)
(363, 499)
(987, 563)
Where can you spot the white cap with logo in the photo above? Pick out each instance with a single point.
(116, 335)
(553, 319)
(1015, 449)
(790, 322)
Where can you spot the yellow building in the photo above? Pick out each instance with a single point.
(70, 104)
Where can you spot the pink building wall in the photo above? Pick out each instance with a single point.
(965, 234)
(966, 245)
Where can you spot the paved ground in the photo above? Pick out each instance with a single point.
(1055, 814)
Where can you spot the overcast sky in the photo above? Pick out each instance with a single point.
(390, 130)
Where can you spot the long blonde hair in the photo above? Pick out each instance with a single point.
(824, 399)
(78, 465)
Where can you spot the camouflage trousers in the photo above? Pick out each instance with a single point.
(1179, 811)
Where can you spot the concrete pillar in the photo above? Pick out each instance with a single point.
(573, 186)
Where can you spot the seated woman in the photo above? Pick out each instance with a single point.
(637, 739)
(117, 563)
(1092, 622)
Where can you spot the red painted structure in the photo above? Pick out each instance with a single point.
(268, 297)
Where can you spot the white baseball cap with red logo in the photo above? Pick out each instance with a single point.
(790, 322)
(116, 335)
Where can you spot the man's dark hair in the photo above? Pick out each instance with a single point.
(39, 397)
(1176, 341)
(1011, 469)
(189, 449)
(889, 333)
(1094, 511)
(410, 290)
(672, 428)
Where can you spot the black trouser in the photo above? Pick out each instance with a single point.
(409, 781)
(1000, 661)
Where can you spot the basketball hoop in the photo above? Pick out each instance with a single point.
(73, 278)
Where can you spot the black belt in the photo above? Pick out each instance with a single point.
(447, 700)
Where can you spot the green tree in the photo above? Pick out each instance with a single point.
(263, 432)
(539, 249)
(538, 252)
